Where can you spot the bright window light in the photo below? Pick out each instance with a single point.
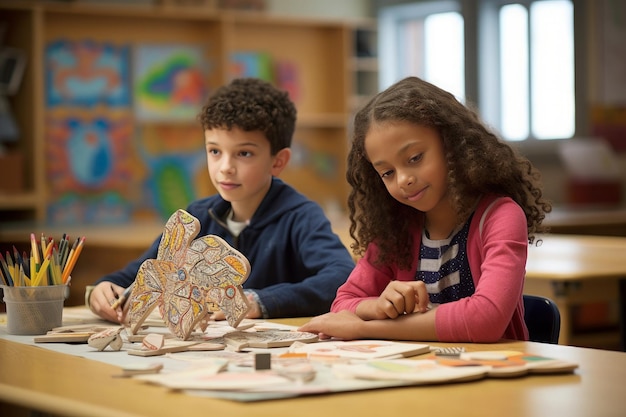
(552, 69)
(521, 67)
(444, 56)
(537, 70)
(514, 72)
(423, 39)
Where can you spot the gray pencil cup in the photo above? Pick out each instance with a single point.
(33, 310)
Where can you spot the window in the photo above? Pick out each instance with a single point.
(413, 38)
(524, 69)
(537, 70)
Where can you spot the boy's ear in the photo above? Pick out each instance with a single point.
(281, 159)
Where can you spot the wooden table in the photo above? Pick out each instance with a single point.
(587, 221)
(37, 378)
(577, 269)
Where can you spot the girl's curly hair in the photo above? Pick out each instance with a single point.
(478, 163)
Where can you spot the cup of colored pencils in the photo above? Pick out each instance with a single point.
(36, 286)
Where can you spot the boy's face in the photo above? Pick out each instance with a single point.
(241, 166)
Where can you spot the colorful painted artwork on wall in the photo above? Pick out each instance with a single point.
(174, 157)
(169, 81)
(257, 64)
(89, 169)
(103, 169)
(103, 164)
(87, 73)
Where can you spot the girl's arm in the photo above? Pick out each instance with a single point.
(367, 282)
(498, 261)
(348, 326)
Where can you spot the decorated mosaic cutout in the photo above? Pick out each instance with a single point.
(189, 279)
(109, 337)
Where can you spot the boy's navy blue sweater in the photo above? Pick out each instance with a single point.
(297, 261)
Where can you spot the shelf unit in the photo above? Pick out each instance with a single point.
(322, 51)
(364, 63)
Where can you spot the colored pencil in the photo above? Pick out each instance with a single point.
(70, 254)
(43, 272)
(26, 263)
(55, 268)
(48, 264)
(48, 248)
(73, 257)
(21, 276)
(10, 267)
(122, 299)
(33, 267)
(8, 280)
(43, 247)
(62, 245)
(34, 252)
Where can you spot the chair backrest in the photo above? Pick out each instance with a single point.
(542, 318)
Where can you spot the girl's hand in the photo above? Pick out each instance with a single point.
(401, 297)
(343, 325)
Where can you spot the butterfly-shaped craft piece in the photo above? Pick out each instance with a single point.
(189, 279)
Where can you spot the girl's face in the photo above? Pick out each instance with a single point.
(409, 158)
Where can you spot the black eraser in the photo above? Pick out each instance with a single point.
(262, 361)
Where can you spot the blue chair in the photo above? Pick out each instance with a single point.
(542, 318)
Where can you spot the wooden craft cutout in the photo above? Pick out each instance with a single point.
(169, 346)
(141, 368)
(267, 339)
(79, 333)
(189, 279)
(153, 341)
(69, 337)
(110, 337)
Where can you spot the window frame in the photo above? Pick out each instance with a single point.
(388, 18)
(482, 67)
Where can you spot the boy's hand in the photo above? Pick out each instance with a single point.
(102, 297)
(253, 313)
(401, 297)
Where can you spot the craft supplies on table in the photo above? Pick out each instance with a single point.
(35, 287)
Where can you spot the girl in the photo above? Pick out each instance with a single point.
(442, 213)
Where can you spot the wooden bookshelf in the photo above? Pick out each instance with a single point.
(322, 52)
(364, 63)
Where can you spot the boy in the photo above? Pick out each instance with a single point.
(297, 261)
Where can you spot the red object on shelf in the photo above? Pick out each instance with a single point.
(594, 192)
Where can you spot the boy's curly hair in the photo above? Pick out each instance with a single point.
(478, 163)
(252, 104)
